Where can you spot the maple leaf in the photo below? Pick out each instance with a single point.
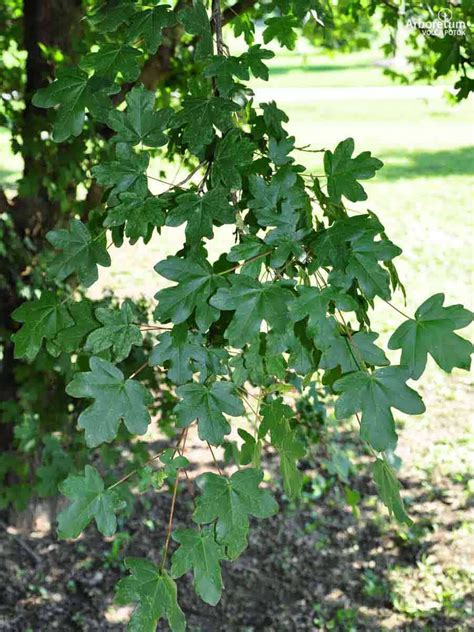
(115, 399)
(196, 21)
(149, 24)
(199, 116)
(110, 15)
(374, 394)
(231, 501)
(140, 122)
(252, 58)
(155, 594)
(352, 353)
(126, 173)
(223, 70)
(388, 488)
(73, 91)
(141, 215)
(432, 332)
(363, 265)
(275, 419)
(89, 501)
(70, 338)
(176, 350)
(196, 282)
(233, 153)
(343, 171)
(273, 118)
(283, 29)
(42, 318)
(199, 551)
(113, 58)
(200, 212)
(207, 405)
(253, 303)
(118, 331)
(80, 253)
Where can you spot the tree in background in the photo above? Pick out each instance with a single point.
(135, 81)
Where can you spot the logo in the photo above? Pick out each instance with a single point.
(445, 15)
(440, 26)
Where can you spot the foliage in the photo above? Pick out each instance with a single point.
(287, 309)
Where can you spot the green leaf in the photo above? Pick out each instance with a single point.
(207, 405)
(331, 246)
(273, 118)
(128, 172)
(110, 15)
(233, 153)
(283, 29)
(200, 552)
(155, 594)
(231, 501)
(223, 70)
(275, 419)
(198, 117)
(80, 253)
(374, 394)
(313, 304)
(351, 353)
(200, 212)
(118, 331)
(70, 339)
(432, 331)
(148, 25)
(139, 214)
(176, 350)
(279, 150)
(196, 21)
(196, 282)
(113, 58)
(253, 303)
(343, 171)
(140, 122)
(388, 488)
(73, 92)
(89, 501)
(42, 318)
(363, 265)
(252, 58)
(250, 450)
(115, 399)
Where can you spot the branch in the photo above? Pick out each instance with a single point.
(217, 26)
(237, 9)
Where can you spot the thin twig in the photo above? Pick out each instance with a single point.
(398, 310)
(236, 267)
(214, 458)
(173, 504)
(23, 544)
(140, 368)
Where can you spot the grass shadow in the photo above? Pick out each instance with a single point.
(317, 68)
(449, 162)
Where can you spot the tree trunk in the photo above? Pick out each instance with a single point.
(53, 23)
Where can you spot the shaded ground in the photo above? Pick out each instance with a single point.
(312, 567)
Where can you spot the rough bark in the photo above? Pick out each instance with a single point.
(53, 23)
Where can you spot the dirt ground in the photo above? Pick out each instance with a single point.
(312, 567)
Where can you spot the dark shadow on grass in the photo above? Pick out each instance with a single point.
(455, 162)
(316, 68)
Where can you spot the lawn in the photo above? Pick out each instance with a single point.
(414, 578)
